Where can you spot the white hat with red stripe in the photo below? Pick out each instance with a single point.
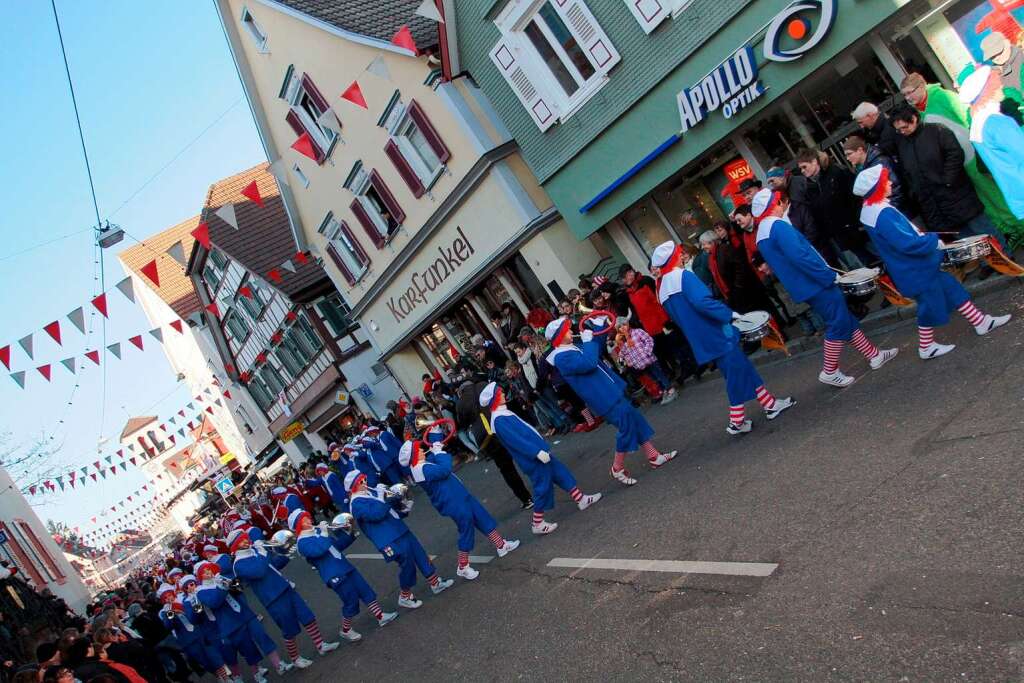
(352, 477)
(163, 589)
(235, 538)
(295, 518)
(206, 566)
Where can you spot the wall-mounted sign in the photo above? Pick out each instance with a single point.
(291, 431)
(364, 390)
(341, 397)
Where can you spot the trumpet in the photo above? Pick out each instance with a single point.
(343, 521)
(423, 421)
(397, 491)
(281, 541)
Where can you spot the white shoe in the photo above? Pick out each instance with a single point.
(934, 350)
(283, 668)
(326, 647)
(669, 396)
(351, 635)
(409, 603)
(741, 428)
(883, 357)
(621, 476)
(780, 405)
(990, 323)
(467, 572)
(386, 618)
(544, 528)
(836, 379)
(661, 459)
(509, 546)
(301, 663)
(587, 501)
(442, 586)
(261, 675)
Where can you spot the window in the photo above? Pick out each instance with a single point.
(554, 55)
(306, 337)
(272, 378)
(345, 252)
(300, 176)
(213, 271)
(650, 13)
(290, 357)
(260, 393)
(306, 107)
(335, 314)
(253, 307)
(374, 206)
(235, 325)
(414, 147)
(259, 36)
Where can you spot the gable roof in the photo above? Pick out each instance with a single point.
(264, 237)
(135, 424)
(175, 286)
(378, 19)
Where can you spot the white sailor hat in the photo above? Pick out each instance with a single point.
(206, 564)
(164, 588)
(371, 428)
(867, 180)
(234, 537)
(487, 395)
(278, 490)
(293, 519)
(974, 85)
(558, 330)
(662, 253)
(321, 467)
(351, 477)
(405, 454)
(761, 202)
(210, 548)
(187, 579)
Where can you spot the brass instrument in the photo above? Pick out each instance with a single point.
(422, 422)
(281, 541)
(343, 521)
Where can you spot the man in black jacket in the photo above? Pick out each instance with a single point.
(876, 128)
(836, 211)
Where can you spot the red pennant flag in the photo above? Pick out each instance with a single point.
(53, 329)
(176, 324)
(96, 464)
(171, 438)
(202, 235)
(32, 490)
(44, 370)
(145, 487)
(137, 340)
(5, 356)
(261, 357)
(245, 291)
(403, 38)
(150, 271)
(171, 464)
(93, 520)
(304, 146)
(227, 394)
(181, 412)
(252, 192)
(277, 337)
(100, 303)
(213, 309)
(129, 499)
(301, 258)
(274, 274)
(94, 356)
(291, 316)
(354, 94)
(209, 410)
(120, 452)
(191, 426)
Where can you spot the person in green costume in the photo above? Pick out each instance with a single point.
(938, 105)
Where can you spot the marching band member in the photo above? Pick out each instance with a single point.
(223, 560)
(382, 450)
(707, 325)
(334, 485)
(807, 278)
(324, 550)
(180, 617)
(380, 521)
(260, 571)
(533, 455)
(432, 470)
(914, 261)
(603, 391)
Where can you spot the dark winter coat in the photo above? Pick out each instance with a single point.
(876, 157)
(833, 205)
(884, 135)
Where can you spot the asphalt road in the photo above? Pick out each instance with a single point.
(892, 509)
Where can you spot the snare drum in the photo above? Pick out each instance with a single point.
(966, 250)
(859, 282)
(753, 326)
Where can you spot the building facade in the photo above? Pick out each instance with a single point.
(641, 117)
(419, 203)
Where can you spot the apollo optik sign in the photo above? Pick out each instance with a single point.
(734, 83)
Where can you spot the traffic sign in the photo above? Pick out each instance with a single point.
(364, 390)
(225, 486)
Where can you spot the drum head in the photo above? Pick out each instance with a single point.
(966, 241)
(751, 321)
(859, 275)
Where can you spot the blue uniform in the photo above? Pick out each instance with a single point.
(914, 261)
(293, 503)
(239, 628)
(382, 525)
(383, 459)
(192, 630)
(324, 552)
(336, 488)
(226, 564)
(524, 443)
(452, 499)
(603, 391)
(259, 570)
(707, 324)
(805, 275)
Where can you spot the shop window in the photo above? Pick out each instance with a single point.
(306, 106)
(554, 56)
(344, 250)
(414, 146)
(375, 207)
(335, 314)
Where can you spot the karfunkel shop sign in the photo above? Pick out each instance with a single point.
(734, 83)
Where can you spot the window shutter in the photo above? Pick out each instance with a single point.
(314, 93)
(364, 258)
(588, 33)
(649, 13)
(368, 225)
(296, 123)
(389, 199)
(404, 169)
(429, 132)
(339, 263)
(542, 109)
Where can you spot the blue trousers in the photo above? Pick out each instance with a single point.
(544, 479)
(290, 612)
(351, 589)
(476, 517)
(252, 642)
(633, 428)
(410, 556)
(831, 306)
(741, 377)
(206, 653)
(934, 304)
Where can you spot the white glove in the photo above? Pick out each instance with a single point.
(322, 526)
(736, 316)
(941, 244)
(544, 456)
(587, 335)
(838, 276)
(437, 447)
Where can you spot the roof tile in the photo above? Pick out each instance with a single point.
(376, 19)
(175, 286)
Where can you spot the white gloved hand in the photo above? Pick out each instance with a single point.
(544, 456)
(941, 244)
(838, 276)
(736, 316)
(586, 336)
(437, 447)
(322, 526)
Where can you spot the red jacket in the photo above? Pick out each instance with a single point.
(645, 302)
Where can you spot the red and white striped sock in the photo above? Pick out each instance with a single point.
(925, 337)
(588, 416)
(463, 559)
(223, 673)
(375, 610)
(765, 398)
(736, 414)
(538, 518)
(292, 648)
(434, 580)
(648, 449)
(575, 494)
(405, 594)
(346, 624)
(313, 629)
(971, 312)
(864, 345)
(619, 461)
(833, 349)
(496, 539)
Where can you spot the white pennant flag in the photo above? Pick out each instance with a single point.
(378, 68)
(280, 173)
(177, 252)
(227, 214)
(428, 9)
(330, 121)
(69, 363)
(115, 349)
(26, 343)
(126, 288)
(77, 318)
(287, 265)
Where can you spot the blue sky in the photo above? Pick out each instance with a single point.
(149, 78)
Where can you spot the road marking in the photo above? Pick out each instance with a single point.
(479, 559)
(674, 566)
